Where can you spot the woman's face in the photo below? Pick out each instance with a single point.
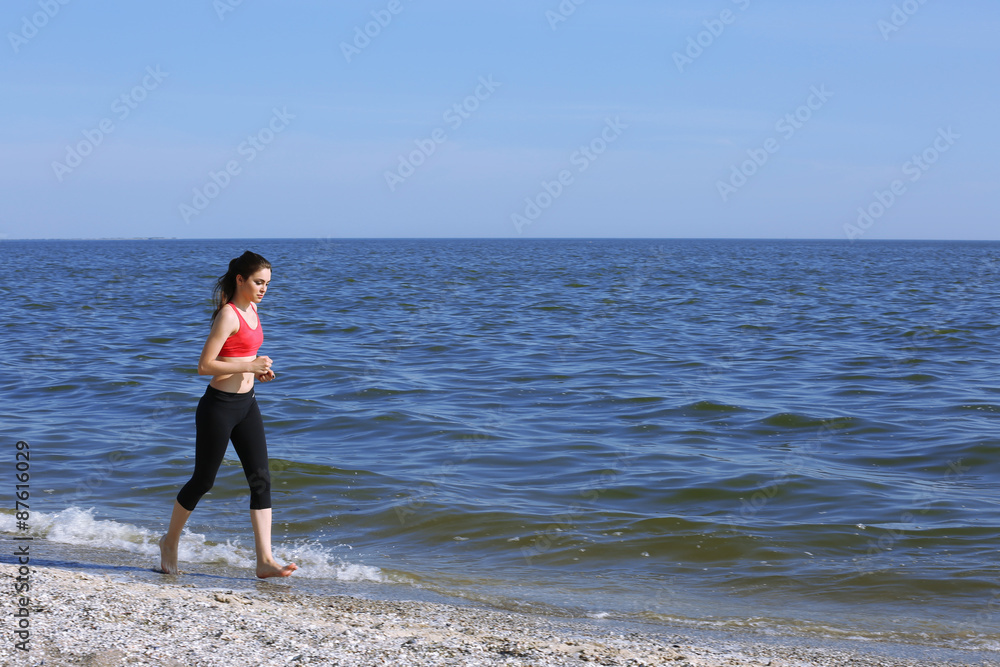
(254, 287)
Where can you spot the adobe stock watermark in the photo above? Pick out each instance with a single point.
(620, 301)
(248, 150)
(969, 289)
(793, 465)
(122, 108)
(31, 25)
(990, 610)
(562, 13)
(914, 168)
(714, 27)
(363, 36)
(545, 540)
(785, 301)
(582, 158)
(924, 502)
(786, 126)
(454, 116)
(223, 7)
(900, 16)
(470, 444)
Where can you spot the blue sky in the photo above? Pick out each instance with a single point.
(841, 119)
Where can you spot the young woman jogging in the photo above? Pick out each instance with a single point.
(228, 410)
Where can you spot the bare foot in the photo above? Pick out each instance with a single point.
(272, 569)
(168, 558)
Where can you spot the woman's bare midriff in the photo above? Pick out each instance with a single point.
(237, 383)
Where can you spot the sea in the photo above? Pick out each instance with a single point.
(785, 438)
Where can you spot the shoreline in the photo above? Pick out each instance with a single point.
(79, 618)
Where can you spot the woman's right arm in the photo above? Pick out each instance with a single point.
(224, 326)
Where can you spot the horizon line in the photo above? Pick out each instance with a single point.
(485, 238)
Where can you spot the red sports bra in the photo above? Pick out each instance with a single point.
(246, 341)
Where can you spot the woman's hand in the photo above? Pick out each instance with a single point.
(260, 366)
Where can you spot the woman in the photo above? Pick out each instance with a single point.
(228, 410)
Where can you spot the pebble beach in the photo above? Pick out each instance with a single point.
(79, 618)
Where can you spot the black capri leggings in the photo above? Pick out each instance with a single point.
(221, 416)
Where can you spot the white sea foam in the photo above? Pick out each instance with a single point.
(79, 527)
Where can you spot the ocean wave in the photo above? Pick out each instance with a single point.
(78, 526)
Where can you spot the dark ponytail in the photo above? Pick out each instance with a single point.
(245, 265)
